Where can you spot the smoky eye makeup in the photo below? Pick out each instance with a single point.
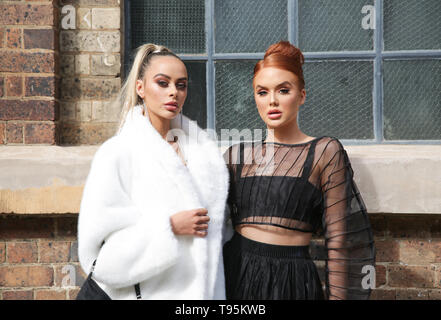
(181, 85)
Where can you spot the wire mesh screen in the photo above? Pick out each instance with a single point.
(249, 25)
(333, 25)
(179, 25)
(412, 24)
(235, 106)
(412, 99)
(338, 99)
(195, 106)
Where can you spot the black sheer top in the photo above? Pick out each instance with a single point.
(306, 187)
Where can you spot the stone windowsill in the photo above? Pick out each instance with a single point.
(50, 179)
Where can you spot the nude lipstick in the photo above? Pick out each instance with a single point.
(274, 114)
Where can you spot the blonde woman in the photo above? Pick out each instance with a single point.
(153, 204)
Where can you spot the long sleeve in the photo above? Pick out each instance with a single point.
(347, 231)
(136, 245)
(228, 229)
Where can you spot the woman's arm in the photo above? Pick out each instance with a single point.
(137, 246)
(348, 235)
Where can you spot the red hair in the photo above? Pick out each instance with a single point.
(283, 55)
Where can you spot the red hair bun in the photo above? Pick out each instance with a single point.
(283, 55)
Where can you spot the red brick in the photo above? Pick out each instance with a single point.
(420, 251)
(2, 86)
(22, 252)
(387, 250)
(437, 275)
(54, 251)
(69, 275)
(434, 294)
(14, 132)
(36, 110)
(380, 272)
(2, 133)
(32, 62)
(13, 38)
(2, 37)
(40, 133)
(22, 227)
(383, 294)
(412, 294)
(40, 39)
(51, 294)
(411, 276)
(74, 252)
(40, 86)
(30, 276)
(73, 293)
(29, 14)
(14, 86)
(2, 252)
(18, 295)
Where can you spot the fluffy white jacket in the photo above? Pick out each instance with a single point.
(136, 182)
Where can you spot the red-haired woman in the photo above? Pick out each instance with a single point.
(287, 188)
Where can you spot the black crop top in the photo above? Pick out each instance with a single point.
(307, 187)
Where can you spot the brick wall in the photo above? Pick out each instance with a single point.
(90, 70)
(29, 73)
(35, 249)
(56, 83)
(39, 258)
(408, 256)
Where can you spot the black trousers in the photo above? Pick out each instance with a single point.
(261, 271)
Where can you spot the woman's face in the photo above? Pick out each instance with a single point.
(278, 96)
(164, 87)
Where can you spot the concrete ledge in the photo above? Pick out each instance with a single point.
(50, 179)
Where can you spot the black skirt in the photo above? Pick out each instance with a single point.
(261, 271)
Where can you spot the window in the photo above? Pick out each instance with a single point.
(372, 71)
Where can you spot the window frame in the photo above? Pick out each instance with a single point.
(377, 56)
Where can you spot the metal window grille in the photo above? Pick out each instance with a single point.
(359, 81)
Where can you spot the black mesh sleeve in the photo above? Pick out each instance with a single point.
(350, 261)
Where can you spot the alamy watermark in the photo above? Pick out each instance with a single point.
(368, 21)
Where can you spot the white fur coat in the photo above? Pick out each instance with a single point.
(136, 182)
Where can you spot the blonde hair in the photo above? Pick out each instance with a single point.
(127, 96)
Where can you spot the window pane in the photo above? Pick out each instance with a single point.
(249, 25)
(195, 106)
(412, 24)
(412, 99)
(338, 99)
(235, 106)
(333, 25)
(178, 25)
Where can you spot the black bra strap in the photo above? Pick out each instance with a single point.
(309, 160)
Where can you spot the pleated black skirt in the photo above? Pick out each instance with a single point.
(261, 271)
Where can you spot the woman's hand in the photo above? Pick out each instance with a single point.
(191, 222)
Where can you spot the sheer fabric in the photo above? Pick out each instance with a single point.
(306, 187)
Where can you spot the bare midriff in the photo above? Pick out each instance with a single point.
(274, 235)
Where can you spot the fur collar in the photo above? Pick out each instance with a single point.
(203, 183)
